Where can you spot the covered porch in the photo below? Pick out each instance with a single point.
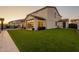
(36, 23)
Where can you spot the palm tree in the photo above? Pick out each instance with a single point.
(2, 20)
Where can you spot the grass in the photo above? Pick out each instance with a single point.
(53, 40)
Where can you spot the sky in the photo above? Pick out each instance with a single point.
(10, 13)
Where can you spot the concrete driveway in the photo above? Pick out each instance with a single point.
(6, 43)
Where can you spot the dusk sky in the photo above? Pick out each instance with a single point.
(14, 13)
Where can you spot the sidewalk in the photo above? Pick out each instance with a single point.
(6, 43)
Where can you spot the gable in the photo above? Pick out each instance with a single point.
(43, 11)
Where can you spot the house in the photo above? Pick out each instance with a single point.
(46, 18)
(74, 23)
(17, 23)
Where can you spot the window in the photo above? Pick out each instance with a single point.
(30, 23)
(40, 23)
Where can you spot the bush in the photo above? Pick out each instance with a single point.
(24, 27)
(7, 26)
(32, 28)
(41, 28)
(15, 26)
(73, 26)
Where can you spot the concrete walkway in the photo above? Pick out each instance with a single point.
(6, 43)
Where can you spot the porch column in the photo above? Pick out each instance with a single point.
(67, 24)
(26, 24)
(35, 24)
(78, 26)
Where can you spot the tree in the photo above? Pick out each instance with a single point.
(2, 20)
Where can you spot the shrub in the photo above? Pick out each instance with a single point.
(73, 26)
(41, 28)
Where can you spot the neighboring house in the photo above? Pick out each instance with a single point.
(75, 21)
(17, 23)
(46, 17)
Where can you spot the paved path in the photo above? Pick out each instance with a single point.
(6, 43)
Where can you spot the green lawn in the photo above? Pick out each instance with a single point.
(60, 40)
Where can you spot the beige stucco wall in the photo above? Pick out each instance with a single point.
(42, 13)
(52, 18)
(29, 17)
(60, 24)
